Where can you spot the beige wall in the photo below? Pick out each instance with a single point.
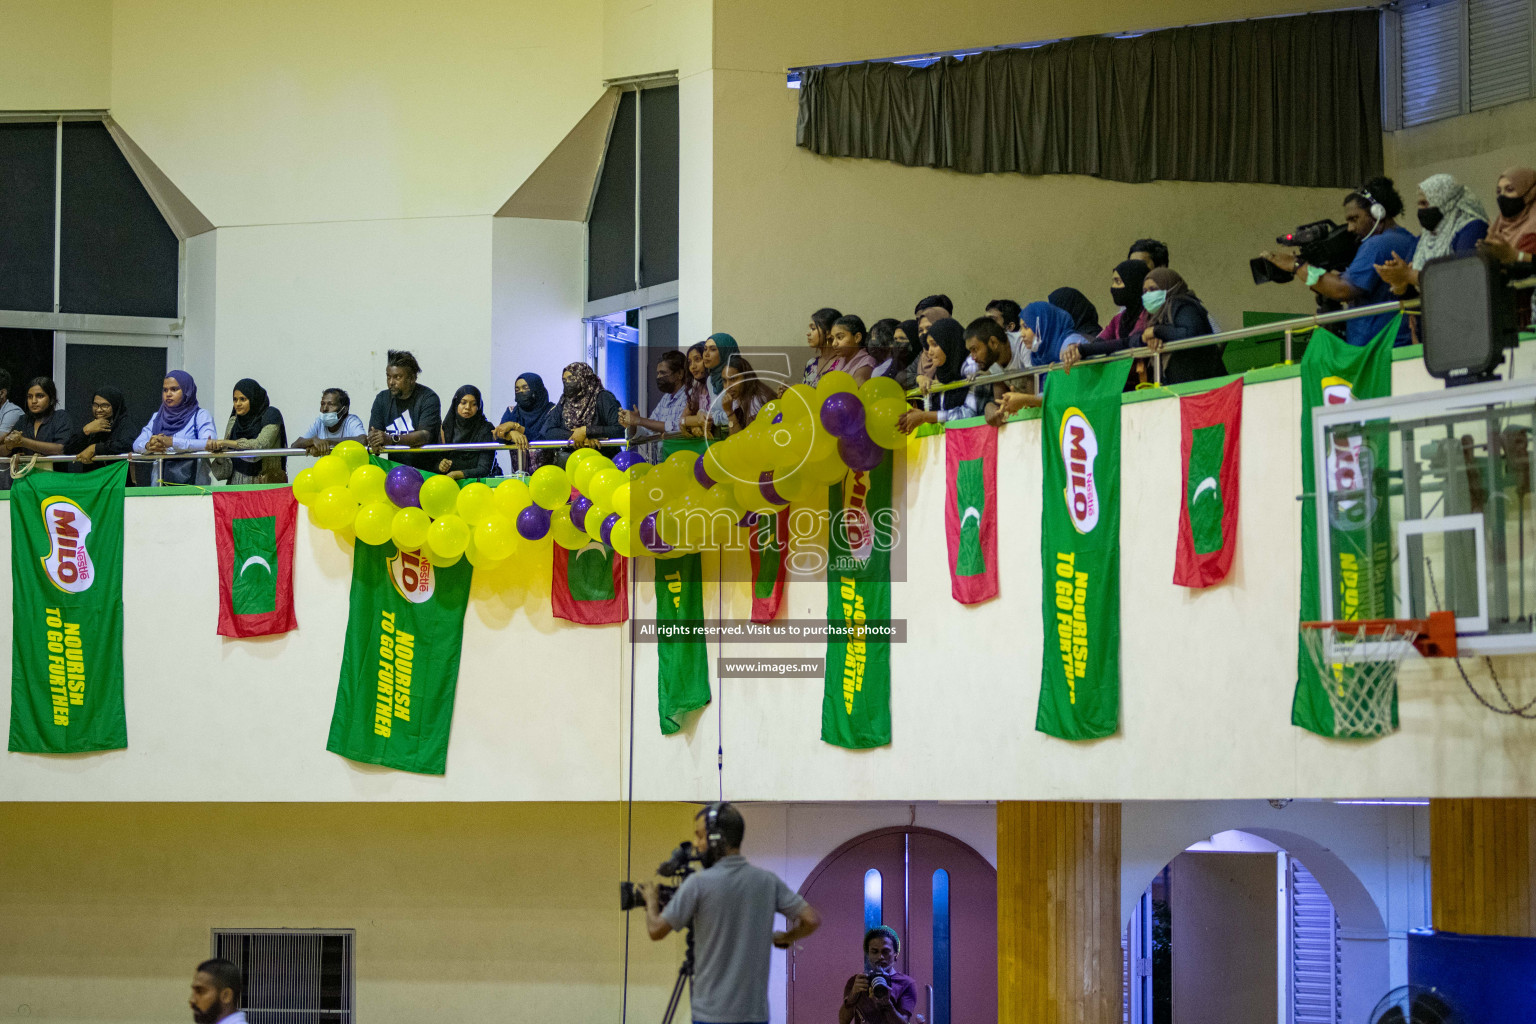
(1475, 148)
(55, 54)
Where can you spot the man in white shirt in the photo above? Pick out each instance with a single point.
(216, 991)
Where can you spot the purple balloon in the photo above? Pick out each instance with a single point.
(403, 485)
(860, 453)
(750, 519)
(580, 506)
(702, 475)
(765, 485)
(842, 414)
(628, 457)
(651, 538)
(533, 522)
(607, 529)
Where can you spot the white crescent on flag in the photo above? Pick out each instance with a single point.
(1208, 482)
(970, 510)
(258, 560)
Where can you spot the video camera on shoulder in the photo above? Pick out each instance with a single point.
(676, 866)
(1323, 243)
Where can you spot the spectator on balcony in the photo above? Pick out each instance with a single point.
(1125, 327)
(1084, 314)
(909, 349)
(883, 348)
(940, 301)
(43, 429)
(525, 419)
(1150, 252)
(405, 413)
(107, 433)
(718, 348)
(667, 414)
(585, 413)
(180, 424)
(849, 348)
(943, 359)
(745, 392)
(1045, 329)
(1512, 238)
(253, 424)
(1006, 312)
(1176, 313)
(1453, 222)
(697, 390)
(466, 424)
(818, 335)
(334, 424)
(10, 415)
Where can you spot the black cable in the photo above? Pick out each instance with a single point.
(629, 806)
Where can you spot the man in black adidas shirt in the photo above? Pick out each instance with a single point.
(405, 413)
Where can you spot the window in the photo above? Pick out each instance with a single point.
(874, 905)
(292, 975)
(1442, 58)
(632, 236)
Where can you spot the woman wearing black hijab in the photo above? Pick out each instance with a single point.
(108, 432)
(943, 363)
(526, 419)
(466, 424)
(1125, 327)
(1084, 314)
(253, 424)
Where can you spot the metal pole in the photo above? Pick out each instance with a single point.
(1288, 339)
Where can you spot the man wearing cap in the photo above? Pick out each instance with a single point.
(881, 994)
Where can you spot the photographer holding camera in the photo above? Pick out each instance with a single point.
(879, 995)
(730, 907)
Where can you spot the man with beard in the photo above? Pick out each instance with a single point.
(405, 412)
(216, 990)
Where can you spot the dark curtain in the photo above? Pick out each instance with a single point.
(1281, 101)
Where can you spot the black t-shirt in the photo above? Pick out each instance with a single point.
(422, 411)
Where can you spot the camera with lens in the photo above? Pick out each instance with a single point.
(879, 985)
(677, 866)
(1322, 243)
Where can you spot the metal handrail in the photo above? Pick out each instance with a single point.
(1287, 327)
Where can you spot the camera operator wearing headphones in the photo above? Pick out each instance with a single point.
(881, 994)
(1370, 212)
(730, 905)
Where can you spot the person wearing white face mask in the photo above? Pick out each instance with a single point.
(334, 424)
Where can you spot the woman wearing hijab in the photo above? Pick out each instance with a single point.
(585, 411)
(718, 348)
(1453, 222)
(1512, 237)
(1125, 327)
(180, 424)
(466, 424)
(253, 423)
(43, 428)
(909, 352)
(108, 432)
(944, 364)
(1175, 314)
(883, 349)
(526, 418)
(1084, 314)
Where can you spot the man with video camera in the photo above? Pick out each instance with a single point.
(880, 994)
(730, 907)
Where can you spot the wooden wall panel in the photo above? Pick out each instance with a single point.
(1482, 860)
(1058, 912)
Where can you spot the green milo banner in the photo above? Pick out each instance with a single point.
(67, 612)
(400, 667)
(682, 664)
(1080, 552)
(856, 702)
(1359, 524)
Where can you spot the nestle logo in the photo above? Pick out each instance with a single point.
(1079, 449)
(412, 576)
(67, 563)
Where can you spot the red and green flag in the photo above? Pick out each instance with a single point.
(768, 546)
(590, 585)
(682, 661)
(1080, 552)
(67, 612)
(856, 700)
(1209, 443)
(400, 664)
(253, 531)
(970, 512)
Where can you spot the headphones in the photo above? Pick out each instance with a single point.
(1376, 210)
(714, 839)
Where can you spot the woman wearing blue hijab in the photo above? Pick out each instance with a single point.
(1044, 330)
(527, 417)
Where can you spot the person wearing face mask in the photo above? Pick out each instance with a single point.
(1125, 327)
(334, 424)
(1176, 313)
(1453, 222)
(527, 417)
(1512, 237)
(909, 343)
(667, 414)
(180, 424)
(253, 423)
(44, 427)
(1370, 212)
(586, 411)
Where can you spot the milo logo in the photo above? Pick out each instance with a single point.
(67, 563)
(412, 576)
(1079, 449)
(857, 526)
(1349, 467)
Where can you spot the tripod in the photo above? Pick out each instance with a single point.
(684, 973)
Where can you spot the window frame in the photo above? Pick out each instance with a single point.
(1392, 71)
(349, 944)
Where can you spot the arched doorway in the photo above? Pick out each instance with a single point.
(941, 897)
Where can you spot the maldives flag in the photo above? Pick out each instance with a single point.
(970, 512)
(768, 544)
(590, 585)
(254, 534)
(1210, 446)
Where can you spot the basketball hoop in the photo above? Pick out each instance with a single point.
(1356, 664)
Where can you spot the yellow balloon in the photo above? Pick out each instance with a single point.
(828, 470)
(581, 476)
(409, 530)
(306, 487)
(333, 509)
(791, 483)
(565, 532)
(831, 383)
(510, 497)
(496, 537)
(595, 517)
(448, 536)
(550, 487)
(823, 444)
(619, 537)
(789, 444)
(579, 456)
(879, 389)
(620, 499)
(881, 420)
(476, 502)
(367, 484)
(440, 561)
(800, 402)
(331, 472)
(439, 495)
(352, 453)
(602, 485)
(375, 522)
